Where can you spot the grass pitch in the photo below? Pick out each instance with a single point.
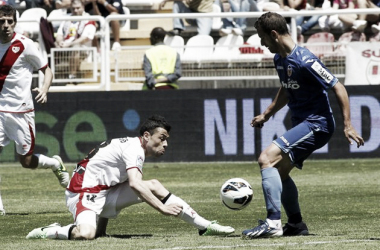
(339, 200)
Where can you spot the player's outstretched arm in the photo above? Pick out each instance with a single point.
(278, 103)
(349, 130)
(42, 92)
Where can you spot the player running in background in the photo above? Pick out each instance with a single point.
(304, 84)
(19, 56)
(110, 179)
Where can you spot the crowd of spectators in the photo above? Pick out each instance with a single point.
(74, 34)
(237, 26)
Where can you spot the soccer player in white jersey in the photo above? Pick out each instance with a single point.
(19, 56)
(305, 81)
(110, 179)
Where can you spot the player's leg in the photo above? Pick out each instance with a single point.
(25, 142)
(269, 160)
(188, 214)
(84, 207)
(123, 196)
(301, 141)
(83, 229)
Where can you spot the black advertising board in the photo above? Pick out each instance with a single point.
(207, 124)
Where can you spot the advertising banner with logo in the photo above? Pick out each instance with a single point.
(207, 125)
(362, 63)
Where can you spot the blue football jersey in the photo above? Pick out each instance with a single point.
(306, 80)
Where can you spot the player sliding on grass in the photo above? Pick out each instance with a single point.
(110, 179)
(304, 82)
(19, 57)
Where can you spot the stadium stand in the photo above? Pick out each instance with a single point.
(176, 42)
(30, 27)
(197, 48)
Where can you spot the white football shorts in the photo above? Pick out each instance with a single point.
(20, 128)
(106, 203)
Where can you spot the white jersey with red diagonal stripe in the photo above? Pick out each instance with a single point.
(107, 165)
(19, 58)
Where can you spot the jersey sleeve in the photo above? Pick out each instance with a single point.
(314, 68)
(33, 55)
(134, 158)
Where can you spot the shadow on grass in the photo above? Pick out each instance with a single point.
(127, 236)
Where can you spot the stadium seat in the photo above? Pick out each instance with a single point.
(321, 44)
(226, 47)
(56, 14)
(33, 28)
(197, 48)
(348, 37)
(176, 42)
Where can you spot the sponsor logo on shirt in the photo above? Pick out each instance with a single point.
(322, 72)
(290, 84)
(280, 67)
(309, 61)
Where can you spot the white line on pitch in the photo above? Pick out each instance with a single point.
(265, 245)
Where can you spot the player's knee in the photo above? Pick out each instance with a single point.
(24, 161)
(83, 232)
(263, 160)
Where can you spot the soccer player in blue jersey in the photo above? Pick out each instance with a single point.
(304, 84)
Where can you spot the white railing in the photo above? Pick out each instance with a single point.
(105, 38)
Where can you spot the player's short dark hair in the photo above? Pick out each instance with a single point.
(272, 21)
(157, 35)
(153, 122)
(8, 10)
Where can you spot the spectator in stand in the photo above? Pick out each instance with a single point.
(48, 5)
(305, 23)
(162, 64)
(344, 22)
(9, 2)
(372, 19)
(105, 8)
(238, 25)
(76, 34)
(203, 25)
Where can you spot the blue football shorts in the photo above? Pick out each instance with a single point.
(302, 140)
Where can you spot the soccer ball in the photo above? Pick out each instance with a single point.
(236, 193)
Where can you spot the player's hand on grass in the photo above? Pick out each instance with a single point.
(351, 134)
(172, 209)
(41, 96)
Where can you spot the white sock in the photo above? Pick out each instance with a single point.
(47, 162)
(274, 223)
(188, 214)
(60, 233)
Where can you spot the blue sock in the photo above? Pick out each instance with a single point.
(289, 199)
(272, 188)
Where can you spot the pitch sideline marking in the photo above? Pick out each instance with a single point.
(264, 245)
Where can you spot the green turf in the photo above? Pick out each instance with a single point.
(339, 200)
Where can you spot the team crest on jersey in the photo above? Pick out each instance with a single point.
(15, 49)
(289, 71)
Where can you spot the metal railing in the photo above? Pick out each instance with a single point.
(249, 71)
